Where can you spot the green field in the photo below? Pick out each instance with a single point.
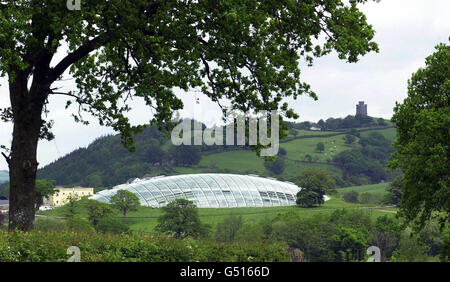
(374, 188)
(388, 133)
(145, 219)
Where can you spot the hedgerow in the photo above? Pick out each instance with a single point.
(51, 246)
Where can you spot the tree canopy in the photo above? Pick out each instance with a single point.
(422, 143)
(181, 220)
(125, 201)
(245, 52)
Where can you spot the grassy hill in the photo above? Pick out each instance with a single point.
(107, 159)
(4, 176)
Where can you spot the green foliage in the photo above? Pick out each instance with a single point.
(275, 166)
(423, 122)
(121, 50)
(410, 250)
(310, 197)
(51, 246)
(228, 229)
(125, 201)
(97, 211)
(181, 220)
(315, 178)
(386, 235)
(320, 147)
(44, 189)
(351, 197)
(49, 224)
(94, 180)
(186, 155)
(78, 224)
(349, 139)
(394, 190)
(111, 225)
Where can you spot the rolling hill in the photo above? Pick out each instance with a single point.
(105, 162)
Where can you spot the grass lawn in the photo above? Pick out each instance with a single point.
(388, 133)
(299, 148)
(379, 188)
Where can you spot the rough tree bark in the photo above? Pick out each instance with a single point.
(27, 109)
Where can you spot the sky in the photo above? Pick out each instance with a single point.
(406, 31)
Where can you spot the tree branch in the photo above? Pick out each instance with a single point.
(7, 158)
(78, 54)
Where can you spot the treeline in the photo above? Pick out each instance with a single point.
(341, 236)
(350, 121)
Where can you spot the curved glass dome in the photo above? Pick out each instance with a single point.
(212, 190)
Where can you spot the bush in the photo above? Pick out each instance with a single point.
(78, 224)
(111, 225)
(351, 196)
(49, 224)
(51, 246)
(277, 166)
(320, 147)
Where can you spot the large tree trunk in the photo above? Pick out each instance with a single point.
(27, 109)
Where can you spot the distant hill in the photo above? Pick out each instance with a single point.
(106, 163)
(4, 176)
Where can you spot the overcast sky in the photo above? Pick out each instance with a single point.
(406, 30)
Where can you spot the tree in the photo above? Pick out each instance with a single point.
(381, 122)
(275, 166)
(422, 146)
(71, 206)
(349, 139)
(125, 201)
(394, 192)
(97, 211)
(94, 180)
(351, 196)
(386, 235)
(186, 155)
(154, 154)
(181, 220)
(316, 178)
(228, 229)
(320, 147)
(117, 50)
(44, 189)
(310, 197)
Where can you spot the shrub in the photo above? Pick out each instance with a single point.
(78, 224)
(49, 224)
(51, 246)
(111, 225)
(351, 196)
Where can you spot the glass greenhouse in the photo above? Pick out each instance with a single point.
(209, 190)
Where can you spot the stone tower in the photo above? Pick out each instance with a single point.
(361, 109)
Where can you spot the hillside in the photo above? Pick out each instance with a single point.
(106, 163)
(4, 176)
